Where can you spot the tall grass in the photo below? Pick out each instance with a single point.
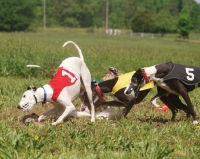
(145, 134)
(100, 51)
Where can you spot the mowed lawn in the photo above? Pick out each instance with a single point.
(145, 134)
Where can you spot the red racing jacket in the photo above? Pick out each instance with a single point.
(61, 79)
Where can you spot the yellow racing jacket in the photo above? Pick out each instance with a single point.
(125, 79)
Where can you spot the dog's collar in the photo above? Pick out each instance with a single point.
(98, 90)
(35, 98)
(45, 96)
(145, 76)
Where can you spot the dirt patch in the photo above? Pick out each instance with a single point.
(17, 114)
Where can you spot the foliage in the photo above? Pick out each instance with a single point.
(116, 14)
(143, 21)
(184, 26)
(76, 13)
(164, 23)
(195, 17)
(89, 14)
(162, 16)
(16, 15)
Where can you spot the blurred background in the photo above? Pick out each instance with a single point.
(104, 16)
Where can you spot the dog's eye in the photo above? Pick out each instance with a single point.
(134, 80)
(24, 96)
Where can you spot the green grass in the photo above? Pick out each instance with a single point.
(146, 134)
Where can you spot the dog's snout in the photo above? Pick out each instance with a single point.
(128, 91)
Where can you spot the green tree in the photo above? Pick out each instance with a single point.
(165, 23)
(184, 26)
(116, 14)
(130, 10)
(90, 13)
(195, 17)
(67, 12)
(78, 13)
(143, 21)
(16, 15)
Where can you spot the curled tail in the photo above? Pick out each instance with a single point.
(77, 47)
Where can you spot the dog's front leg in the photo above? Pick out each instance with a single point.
(128, 107)
(41, 117)
(190, 106)
(48, 113)
(68, 110)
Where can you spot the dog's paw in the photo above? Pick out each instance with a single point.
(195, 122)
(54, 123)
(41, 117)
(93, 120)
(57, 122)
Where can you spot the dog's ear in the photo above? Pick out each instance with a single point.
(113, 70)
(29, 88)
(140, 72)
(32, 88)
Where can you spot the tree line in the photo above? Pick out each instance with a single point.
(157, 16)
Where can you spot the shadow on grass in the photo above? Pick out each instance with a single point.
(160, 121)
(154, 120)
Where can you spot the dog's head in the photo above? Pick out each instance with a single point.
(113, 72)
(28, 99)
(137, 81)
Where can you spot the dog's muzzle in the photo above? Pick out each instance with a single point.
(129, 92)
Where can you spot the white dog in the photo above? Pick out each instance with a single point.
(62, 89)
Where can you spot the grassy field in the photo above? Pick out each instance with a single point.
(146, 134)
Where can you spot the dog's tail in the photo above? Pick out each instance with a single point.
(77, 47)
(46, 71)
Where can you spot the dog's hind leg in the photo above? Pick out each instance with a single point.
(176, 102)
(170, 100)
(89, 93)
(86, 80)
(182, 90)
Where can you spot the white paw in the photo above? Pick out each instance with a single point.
(93, 120)
(195, 122)
(54, 123)
(40, 118)
(57, 122)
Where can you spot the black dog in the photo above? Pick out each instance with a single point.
(114, 86)
(173, 78)
(105, 88)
